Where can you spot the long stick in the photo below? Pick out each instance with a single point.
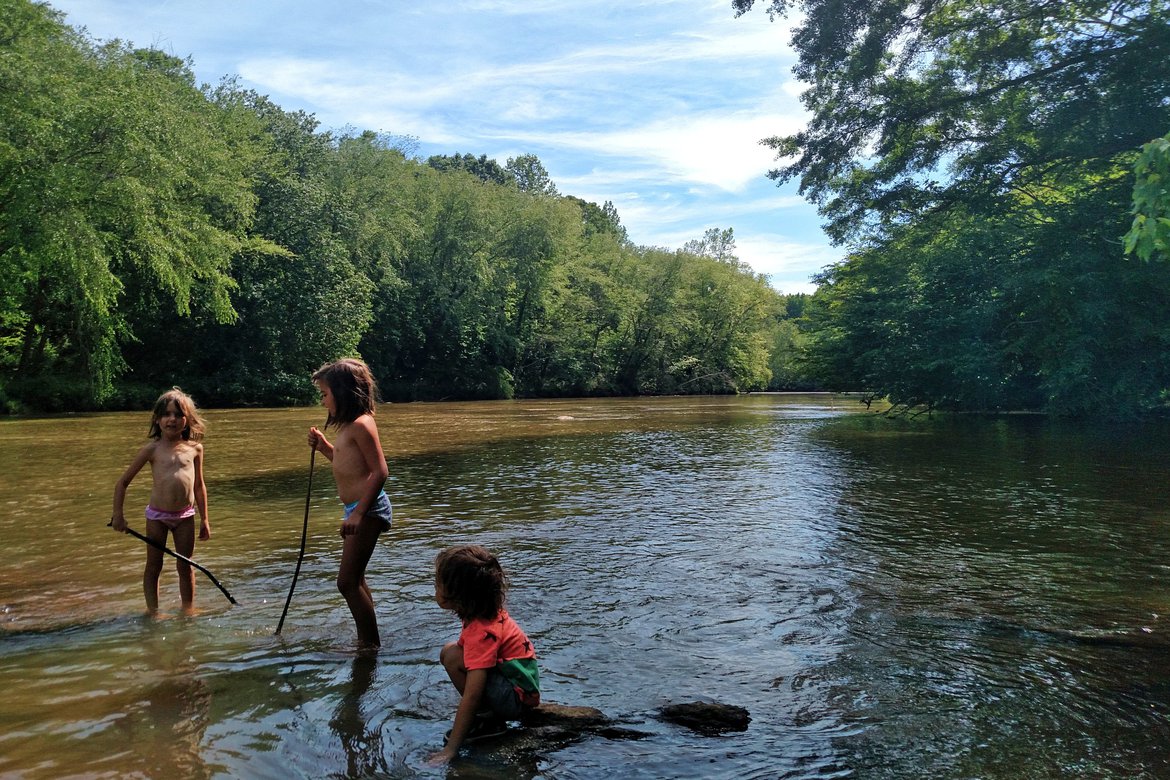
(304, 533)
(183, 558)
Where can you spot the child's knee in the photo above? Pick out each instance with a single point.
(347, 586)
(451, 655)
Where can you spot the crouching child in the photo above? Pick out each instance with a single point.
(492, 664)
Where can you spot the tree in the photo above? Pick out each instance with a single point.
(530, 175)
(916, 105)
(482, 167)
(1149, 235)
(976, 158)
(121, 188)
(604, 219)
(716, 244)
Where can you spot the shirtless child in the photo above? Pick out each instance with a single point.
(176, 465)
(359, 468)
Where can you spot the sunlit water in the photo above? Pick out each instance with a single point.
(911, 599)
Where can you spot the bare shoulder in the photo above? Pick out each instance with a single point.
(364, 426)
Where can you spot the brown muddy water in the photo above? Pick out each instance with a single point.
(888, 599)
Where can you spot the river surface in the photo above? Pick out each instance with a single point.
(933, 598)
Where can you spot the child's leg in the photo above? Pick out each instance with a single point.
(351, 579)
(184, 535)
(451, 657)
(157, 532)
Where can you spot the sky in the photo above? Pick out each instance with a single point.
(656, 105)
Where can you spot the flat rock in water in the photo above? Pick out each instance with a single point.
(566, 716)
(710, 718)
(551, 726)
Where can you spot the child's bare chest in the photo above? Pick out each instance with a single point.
(347, 458)
(173, 459)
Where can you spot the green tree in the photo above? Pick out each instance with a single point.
(482, 167)
(570, 351)
(716, 243)
(976, 158)
(118, 179)
(1149, 235)
(530, 175)
(600, 219)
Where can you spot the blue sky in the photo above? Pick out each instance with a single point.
(658, 106)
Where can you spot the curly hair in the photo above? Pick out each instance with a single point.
(195, 427)
(354, 391)
(472, 581)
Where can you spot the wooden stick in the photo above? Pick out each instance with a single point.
(304, 533)
(183, 558)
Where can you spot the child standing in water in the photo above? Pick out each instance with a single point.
(176, 464)
(492, 665)
(359, 468)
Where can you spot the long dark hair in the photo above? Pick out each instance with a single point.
(472, 581)
(354, 391)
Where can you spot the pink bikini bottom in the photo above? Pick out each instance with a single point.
(170, 519)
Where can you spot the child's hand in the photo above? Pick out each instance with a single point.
(204, 530)
(444, 756)
(316, 438)
(349, 525)
(118, 523)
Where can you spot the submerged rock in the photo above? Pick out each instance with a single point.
(709, 718)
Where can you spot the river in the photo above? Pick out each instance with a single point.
(942, 598)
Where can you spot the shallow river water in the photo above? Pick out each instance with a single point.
(888, 599)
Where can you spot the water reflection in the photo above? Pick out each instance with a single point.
(163, 720)
(357, 727)
(1007, 589)
(940, 598)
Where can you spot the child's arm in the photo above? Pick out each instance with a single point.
(318, 442)
(201, 495)
(365, 436)
(140, 460)
(473, 690)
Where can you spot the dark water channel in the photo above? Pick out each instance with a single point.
(888, 599)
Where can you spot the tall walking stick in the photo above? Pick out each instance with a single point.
(304, 533)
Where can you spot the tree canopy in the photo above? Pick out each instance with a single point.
(977, 160)
(154, 232)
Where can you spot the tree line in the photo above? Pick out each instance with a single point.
(157, 232)
(998, 172)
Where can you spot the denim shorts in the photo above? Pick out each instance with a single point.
(379, 510)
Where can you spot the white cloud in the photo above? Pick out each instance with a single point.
(781, 257)
(658, 106)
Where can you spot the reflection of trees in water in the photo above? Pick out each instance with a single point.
(362, 744)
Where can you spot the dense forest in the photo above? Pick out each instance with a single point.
(155, 232)
(996, 172)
